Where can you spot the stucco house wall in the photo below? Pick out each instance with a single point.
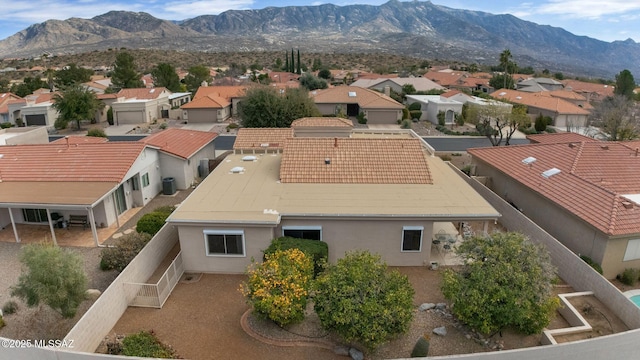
(573, 232)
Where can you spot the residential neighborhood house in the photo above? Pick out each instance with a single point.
(140, 105)
(213, 104)
(584, 193)
(351, 100)
(382, 193)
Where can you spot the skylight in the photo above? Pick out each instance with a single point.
(352, 94)
(549, 173)
(152, 91)
(237, 170)
(249, 158)
(633, 197)
(529, 160)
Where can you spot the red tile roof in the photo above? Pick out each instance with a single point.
(365, 98)
(444, 78)
(600, 91)
(322, 122)
(567, 137)
(209, 101)
(540, 100)
(179, 142)
(354, 161)
(103, 162)
(262, 138)
(225, 92)
(593, 179)
(142, 93)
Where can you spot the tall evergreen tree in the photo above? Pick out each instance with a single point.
(286, 61)
(625, 84)
(298, 70)
(292, 69)
(164, 75)
(125, 75)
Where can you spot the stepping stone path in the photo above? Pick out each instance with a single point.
(128, 231)
(117, 235)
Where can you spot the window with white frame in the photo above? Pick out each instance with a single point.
(303, 232)
(224, 242)
(412, 238)
(145, 180)
(633, 250)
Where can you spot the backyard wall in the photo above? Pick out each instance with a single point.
(571, 268)
(96, 323)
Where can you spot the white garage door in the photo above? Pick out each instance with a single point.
(382, 117)
(129, 117)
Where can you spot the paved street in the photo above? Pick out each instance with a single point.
(440, 143)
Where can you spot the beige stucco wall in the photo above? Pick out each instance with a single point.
(322, 132)
(573, 232)
(26, 135)
(192, 243)
(378, 236)
(176, 168)
(330, 109)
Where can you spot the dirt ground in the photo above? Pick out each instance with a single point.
(201, 320)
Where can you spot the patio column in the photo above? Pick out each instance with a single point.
(486, 228)
(13, 224)
(92, 222)
(53, 232)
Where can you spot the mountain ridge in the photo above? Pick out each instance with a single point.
(420, 29)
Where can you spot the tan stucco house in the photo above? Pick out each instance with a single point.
(181, 153)
(367, 191)
(351, 100)
(213, 104)
(141, 105)
(584, 193)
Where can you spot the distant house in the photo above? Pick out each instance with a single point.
(396, 84)
(322, 127)
(445, 78)
(431, 105)
(181, 153)
(583, 192)
(591, 91)
(33, 110)
(384, 194)
(376, 107)
(563, 113)
(213, 104)
(539, 84)
(5, 98)
(141, 105)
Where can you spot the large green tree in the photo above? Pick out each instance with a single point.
(360, 300)
(505, 64)
(311, 82)
(72, 74)
(52, 276)
(502, 81)
(625, 84)
(265, 106)
(125, 74)
(506, 281)
(164, 75)
(75, 103)
(197, 75)
(28, 86)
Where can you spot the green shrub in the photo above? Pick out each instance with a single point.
(360, 300)
(96, 132)
(361, 118)
(550, 130)
(318, 251)
(421, 349)
(415, 106)
(441, 118)
(405, 113)
(10, 307)
(168, 209)
(125, 249)
(2, 324)
(445, 157)
(592, 263)
(110, 116)
(629, 276)
(163, 126)
(466, 169)
(152, 222)
(415, 114)
(146, 344)
(6, 125)
(405, 124)
(278, 287)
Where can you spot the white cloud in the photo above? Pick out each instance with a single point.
(586, 9)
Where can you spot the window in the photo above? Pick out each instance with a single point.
(633, 250)
(135, 183)
(224, 242)
(412, 238)
(303, 232)
(35, 215)
(145, 180)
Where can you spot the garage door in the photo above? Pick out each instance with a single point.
(382, 117)
(129, 117)
(35, 120)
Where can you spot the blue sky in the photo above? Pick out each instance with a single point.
(607, 20)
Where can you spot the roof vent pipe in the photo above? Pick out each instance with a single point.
(67, 138)
(637, 150)
(335, 142)
(327, 161)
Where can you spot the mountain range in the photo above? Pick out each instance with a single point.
(419, 29)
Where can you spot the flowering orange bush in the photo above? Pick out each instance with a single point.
(278, 287)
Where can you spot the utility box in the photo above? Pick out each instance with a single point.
(168, 186)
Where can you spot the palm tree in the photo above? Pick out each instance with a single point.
(505, 60)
